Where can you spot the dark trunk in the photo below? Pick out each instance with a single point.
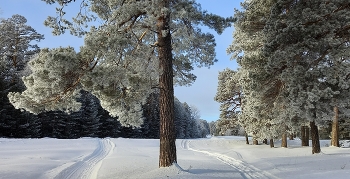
(272, 145)
(167, 155)
(315, 138)
(265, 141)
(284, 140)
(291, 136)
(255, 142)
(304, 136)
(335, 128)
(284, 137)
(246, 138)
(307, 135)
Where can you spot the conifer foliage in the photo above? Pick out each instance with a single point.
(294, 59)
(17, 46)
(139, 46)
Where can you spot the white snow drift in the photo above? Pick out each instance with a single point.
(216, 157)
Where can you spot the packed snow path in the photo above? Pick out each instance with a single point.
(88, 167)
(246, 171)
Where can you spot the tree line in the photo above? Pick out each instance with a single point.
(93, 121)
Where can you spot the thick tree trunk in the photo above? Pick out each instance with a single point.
(284, 137)
(307, 135)
(284, 140)
(246, 138)
(304, 132)
(167, 155)
(335, 128)
(315, 138)
(272, 144)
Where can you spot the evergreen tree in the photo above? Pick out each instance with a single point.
(108, 126)
(226, 127)
(179, 119)
(187, 116)
(16, 49)
(88, 116)
(212, 128)
(251, 79)
(124, 58)
(203, 128)
(151, 116)
(229, 94)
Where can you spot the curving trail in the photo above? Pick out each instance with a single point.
(88, 166)
(246, 171)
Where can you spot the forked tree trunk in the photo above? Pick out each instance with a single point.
(272, 144)
(335, 128)
(246, 138)
(315, 138)
(284, 140)
(167, 153)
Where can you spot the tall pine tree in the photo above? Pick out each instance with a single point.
(139, 46)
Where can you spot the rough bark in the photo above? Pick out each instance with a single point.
(284, 137)
(307, 136)
(304, 136)
(255, 142)
(315, 138)
(284, 140)
(167, 155)
(335, 128)
(246, 138)
(272, 144)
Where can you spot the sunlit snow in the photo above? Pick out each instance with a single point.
(215, 157)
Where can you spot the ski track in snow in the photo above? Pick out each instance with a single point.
(246, 171)
(89, 166)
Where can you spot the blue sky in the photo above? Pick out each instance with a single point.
(200, 94)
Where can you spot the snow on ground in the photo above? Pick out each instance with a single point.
(216, 157)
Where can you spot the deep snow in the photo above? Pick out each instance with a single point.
(216, 157)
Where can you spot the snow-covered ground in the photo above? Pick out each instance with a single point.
(216, 157)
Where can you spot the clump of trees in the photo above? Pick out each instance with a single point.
(294, 68)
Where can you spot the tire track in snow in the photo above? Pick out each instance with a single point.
(247, 171)
(89, 166)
